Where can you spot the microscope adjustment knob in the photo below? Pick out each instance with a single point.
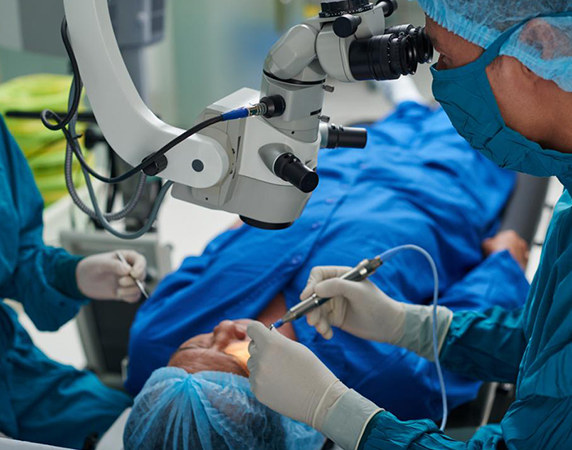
(346, 25)
(335, 8)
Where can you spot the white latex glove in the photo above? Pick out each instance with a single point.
(362, 309)
(288, 378)
(104, 277)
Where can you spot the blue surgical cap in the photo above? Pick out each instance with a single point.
(209, 410)
(543, 44)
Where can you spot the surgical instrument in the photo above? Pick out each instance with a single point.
(359, 273)
(137, 282)
(362, 271)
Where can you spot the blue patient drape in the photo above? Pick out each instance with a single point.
(417, 182)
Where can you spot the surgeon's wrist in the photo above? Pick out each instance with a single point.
(346, 420)
(62, 275)
(330, 397)
(418, 329)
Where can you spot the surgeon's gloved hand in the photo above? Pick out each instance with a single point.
(105, 277)
(362, 309)
(288, 378)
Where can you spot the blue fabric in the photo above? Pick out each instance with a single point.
(466, 95)
(543, 44)
(27, 265)
(51, 403)
(531, 346)
(209, 411)
(40, 400)
(62, 276)
(417, 182)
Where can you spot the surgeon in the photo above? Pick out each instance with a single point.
(41, 400)
(504, 77)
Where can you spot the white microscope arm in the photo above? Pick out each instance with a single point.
(128, 125)
(262, 168)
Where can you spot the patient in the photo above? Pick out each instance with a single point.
(417, 182)
(203, 401)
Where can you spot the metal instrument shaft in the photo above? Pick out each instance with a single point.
(362, 271)
(137, 282)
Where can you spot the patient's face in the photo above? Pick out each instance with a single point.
(206, 352)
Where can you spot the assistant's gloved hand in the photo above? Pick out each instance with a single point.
(288, 378)
(362, 309)
(104, 277)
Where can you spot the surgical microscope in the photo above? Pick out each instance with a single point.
(253, 153)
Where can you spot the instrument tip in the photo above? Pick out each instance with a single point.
(276, 325)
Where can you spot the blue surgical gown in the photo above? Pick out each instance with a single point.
(40, 400)
(416, 182)
(529, 346)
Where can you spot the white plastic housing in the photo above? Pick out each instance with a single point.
(131, 129)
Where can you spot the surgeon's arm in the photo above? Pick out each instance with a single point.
(384, 430)
(44, 277)
(487, 346)
(534, 422)
(484, 342)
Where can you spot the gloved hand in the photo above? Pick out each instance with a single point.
(104, 277)
(362, 309)
(288, 378)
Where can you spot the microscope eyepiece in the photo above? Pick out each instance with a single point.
(384, 57)
(388, 6)
(421, 41)
(294, 171)
(334, 136)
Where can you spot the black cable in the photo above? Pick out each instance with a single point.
(187, 134)
(81, 117)
(112, 188)
(61, 124)
(47, 114)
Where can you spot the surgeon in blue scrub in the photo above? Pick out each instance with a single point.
(41, 400)
(504, 77)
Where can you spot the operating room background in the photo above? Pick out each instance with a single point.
(211, 48)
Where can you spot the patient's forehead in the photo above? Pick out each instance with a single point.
(197, 359)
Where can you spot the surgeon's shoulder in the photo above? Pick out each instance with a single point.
(4, 133)
(560, 229)
(6, 139)
(563, 208)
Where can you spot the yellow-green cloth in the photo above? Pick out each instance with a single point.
(44, 149)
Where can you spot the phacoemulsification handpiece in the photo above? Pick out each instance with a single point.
(361, 272)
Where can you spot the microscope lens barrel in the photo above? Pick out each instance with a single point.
(384, 57)
(423, 45)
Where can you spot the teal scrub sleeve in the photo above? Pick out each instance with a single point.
(486, 346)
(532, 423)
(42, 278)
(385, 431)
(52, 403)
(487, 343)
